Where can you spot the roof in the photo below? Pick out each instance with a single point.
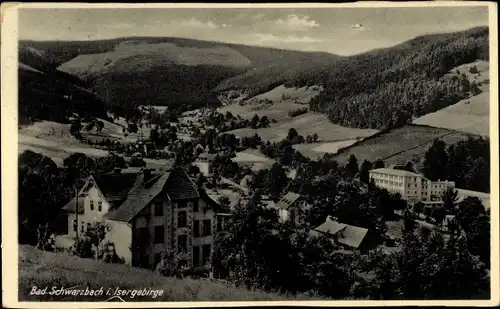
(287, 200)
(395, 172)
(348, 235)
(129, 198)
(70, 206)
(115, 187)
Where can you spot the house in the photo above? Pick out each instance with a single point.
(148, 213)
(204, 163)
(290, 207)
(413, 187)
(348, 236)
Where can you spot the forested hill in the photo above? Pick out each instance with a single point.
(387, 87)
(380, 89)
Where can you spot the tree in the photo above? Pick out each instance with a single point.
(292, 133)
(315, 137)
(439, 214)
(264, 122)
(436, 160)
(352, 166)
(418, 207)
(378, 164)
(254, 123)
(276, 180)
(364, 174)
(75, 128)
(132, 127)
(90, 126)
(449, 198)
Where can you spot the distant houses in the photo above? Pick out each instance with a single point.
(291, 207)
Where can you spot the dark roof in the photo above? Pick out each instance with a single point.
(115, 187)
(180, 186)
(287, 200)
(70, 207)
(139, 196)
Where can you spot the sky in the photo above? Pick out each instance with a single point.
(342, 31)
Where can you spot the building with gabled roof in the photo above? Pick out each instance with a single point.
(345, 235)
(148, 213)
(291, 206)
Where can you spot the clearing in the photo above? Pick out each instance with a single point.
(400, 145)
(469, 115)
(280, 101)
(253, 159)
(47, 269)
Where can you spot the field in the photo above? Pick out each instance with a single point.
(46, 269)
(254, 159)
(400, 145)
(469, 115)
(316, 150)
(306, 124)
(55, 141)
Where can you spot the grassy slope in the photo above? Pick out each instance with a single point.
(400, 145)
(305, 124)
(41, 269)
(468, 115)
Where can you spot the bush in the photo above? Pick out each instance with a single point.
(297, 112)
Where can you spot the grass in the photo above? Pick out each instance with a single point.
(316, 150)
(306, 124)
(54, 140)
(400, 145)
(46, 269)
(469, 115)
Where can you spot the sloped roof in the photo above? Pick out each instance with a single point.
(395, 172)
(115, 187)
(352, 236)
(348, 235)
(70, 206)
(287, 200)
(180, 186)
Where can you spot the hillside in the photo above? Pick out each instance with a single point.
(41, 269)
(381, 89)
(471, 115)
(181, 73)
(48, 94)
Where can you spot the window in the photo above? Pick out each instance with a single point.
(82, 228)
(158, 209)
(159, 234)
(88, 226)
(91, 205)
(181, 219)
(196, 228)
(207, 227)
(196, 256)
(99, 206)
(75, 225)
(182, 243)
(196, 206)
(206, 254)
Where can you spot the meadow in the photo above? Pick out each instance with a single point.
(47, 269)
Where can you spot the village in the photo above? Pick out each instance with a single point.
(176, 209)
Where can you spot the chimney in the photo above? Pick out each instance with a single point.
(117, 170)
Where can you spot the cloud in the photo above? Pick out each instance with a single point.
(358, 27)
(194, 23)
(119, 26)
(271, 38)
(294, 22)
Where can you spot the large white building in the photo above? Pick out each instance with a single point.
(413, 187)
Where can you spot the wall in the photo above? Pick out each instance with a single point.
(120, 234)
(203, 213)
(88, 215)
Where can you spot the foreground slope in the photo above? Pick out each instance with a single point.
(46, 269)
